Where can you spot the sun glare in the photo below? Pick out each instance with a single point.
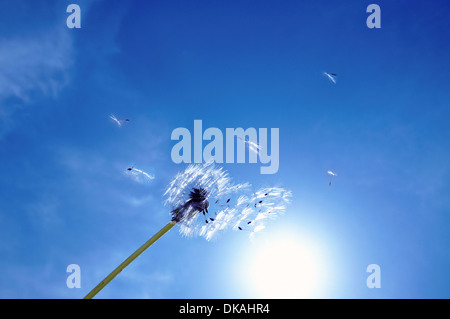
(285, 268)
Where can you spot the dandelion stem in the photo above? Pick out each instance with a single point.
(127, 261)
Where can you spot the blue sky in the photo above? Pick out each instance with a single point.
(383, 128)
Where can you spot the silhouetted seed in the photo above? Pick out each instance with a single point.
(211, 219)
(266, 194)
(249, 222)
(206, 221)
(228, 200)
(260, 201)
(239, 228)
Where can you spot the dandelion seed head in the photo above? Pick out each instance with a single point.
(191, 192)
(204, 202)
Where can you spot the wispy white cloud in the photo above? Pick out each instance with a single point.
(38, 64)
(32, 67)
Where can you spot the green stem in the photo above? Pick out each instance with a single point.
(127, 261)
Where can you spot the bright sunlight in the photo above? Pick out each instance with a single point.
(286, 268)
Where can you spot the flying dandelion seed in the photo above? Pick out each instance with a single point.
(251, 145)
(138, 175)
(331, 178)
(189, 195)
(117, 121)
(331, 76)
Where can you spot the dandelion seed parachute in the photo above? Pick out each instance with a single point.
(138, 175)
(144, 173)
(332, 175)
(255, 148)
(331, 77)
(117, 121)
